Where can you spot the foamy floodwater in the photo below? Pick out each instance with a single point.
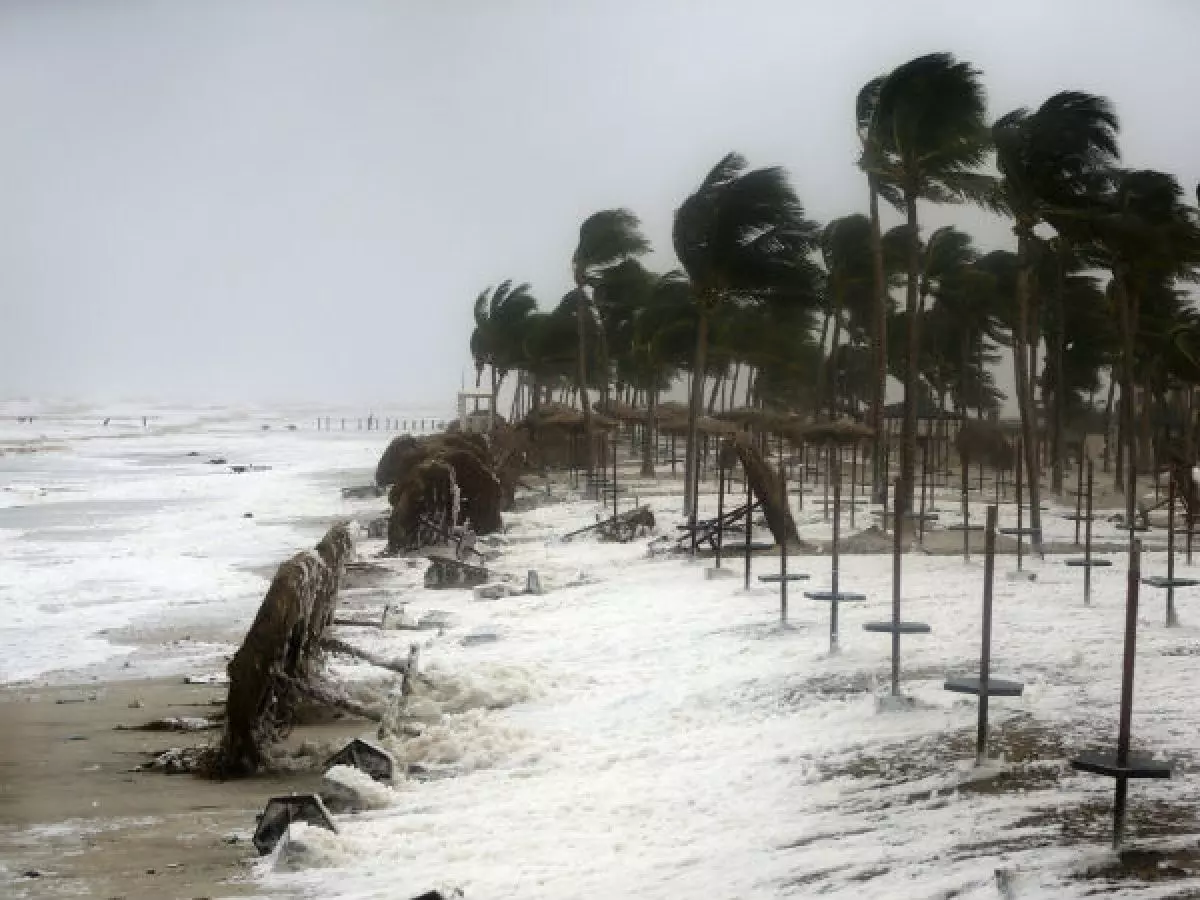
(126, 546)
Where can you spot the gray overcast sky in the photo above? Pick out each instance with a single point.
(298, 201)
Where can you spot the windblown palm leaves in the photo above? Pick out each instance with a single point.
(500, 320)
(743, 239)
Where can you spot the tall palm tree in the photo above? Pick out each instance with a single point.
(929, 124)
(500, 322)
(741, 237)
(1051, 163)
(605, 239)
(871, 161)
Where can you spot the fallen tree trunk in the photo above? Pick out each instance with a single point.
(768, 489)
(282, 647)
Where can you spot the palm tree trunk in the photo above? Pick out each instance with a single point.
(581, 311)
(833, 358)
(908, 439)
(879, 338)
(1055, 341)
(691, 467)
(737, 371)
(712, 397)
(822, 365)
(1108, 411)
(495, 397)
(649, 439)
(1025, 396)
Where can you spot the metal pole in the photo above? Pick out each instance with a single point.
(826, 510)
(834, 451)
(1171, 620)
(1087, 545)
(749, 523)
(897, 567)
(985, 652)
(1127, 666)
(614, 484)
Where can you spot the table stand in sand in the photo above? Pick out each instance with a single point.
(985, 685)
(896, 627)
(1087, 563)
(1020, 531)
(1170, 582)
(783, 577)
(1121, 765)
(833, 596)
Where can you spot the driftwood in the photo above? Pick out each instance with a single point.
(768, 490)
(623, 527)
(281, 649)
(447, 572)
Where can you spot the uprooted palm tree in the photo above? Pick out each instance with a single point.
(1051, 163)
(931, 137)
(605, 239)
(500, 323)
(742, 238)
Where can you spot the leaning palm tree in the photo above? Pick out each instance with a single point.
(742, 238)
(605, 238)
(871, 161)
(500, 320)
(928, 121)
(1051, 162)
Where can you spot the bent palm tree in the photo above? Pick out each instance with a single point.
(1051, 162)
(605, 239)
(741, 238)
(500, 321)
(929, 123)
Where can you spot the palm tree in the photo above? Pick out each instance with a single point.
(605, 239)
(871, 162)
(930, 132)
(500, 322)
(741, 238)
(848, 256)
(1151, 239)
(1051, 163)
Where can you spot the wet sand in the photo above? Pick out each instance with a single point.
(72, 810)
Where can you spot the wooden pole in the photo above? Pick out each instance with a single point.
(897, 569)
(834, 451)
(924, 481)
(1087, 542)
(966, 513)
(1171, 619)
(720, 508)
(985, 652)
(1127, 667)
(749, 524)
(1020, 513)
(1079, 495)
(853, 480)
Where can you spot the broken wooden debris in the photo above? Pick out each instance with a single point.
(446, 572)
(623, 527)
(334, 645)
(483, 635)
(280, 812)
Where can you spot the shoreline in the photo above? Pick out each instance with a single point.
(75, 811)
